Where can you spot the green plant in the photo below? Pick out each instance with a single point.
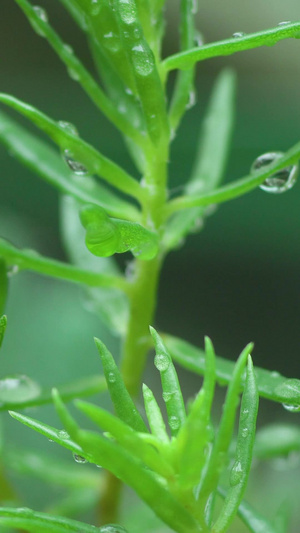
(179, 476)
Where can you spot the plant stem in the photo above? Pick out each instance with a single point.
(143, 295)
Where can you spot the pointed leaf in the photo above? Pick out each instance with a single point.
(82, 152)
(53, 434)
(195, 437)
(121, 398)
(243, 455)
(218, 457)
(42, 159)
(171, 389)
(155, 419)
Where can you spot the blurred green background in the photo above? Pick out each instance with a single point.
(236, 281)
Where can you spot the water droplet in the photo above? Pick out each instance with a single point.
(295, 408)
(42, 15)
(111, 377)
(112, 42)
(12, 271)
(245, 432)
(194, 6)
(95, 8)
(68, 127)
(199, 41)
(174, 422)
(98, 466)
(63, 434)
(274, 374)
(281, 181)
(167, 396)
(127, 11)
(142, 59)
(18, 388)
(244, 414)
(238, 34)
(284, 23)
(79, 458)
(162, 361)
(137, 34)
(73, 74)
(236, 474)
(68, 49)
(78, 168)
(25, 512)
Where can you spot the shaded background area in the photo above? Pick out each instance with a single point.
(237, 280)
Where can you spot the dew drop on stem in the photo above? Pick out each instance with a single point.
(95, 8)
(63, 434)
(236, 474)
(68, 127)
(174, 422)
(284, 23)
(12, 271)
(238, 34)
(280, 181)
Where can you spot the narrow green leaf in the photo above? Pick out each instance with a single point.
(144, 482)
(146, 75)
(110, 304)
(78, 72)
(81, 151)
(3, 288)
(250, 517)
(243, 455)
(127, 438)
(195, 436)
(81, 388)
(184, 96)
(218, 457)
(67, 420)
(121, 398)
(53, 434)
(41, 522)
(106, 236)
(3, 323)
(185, 60)
(237, 188)
(172, 394)
(32, 260)
(271, 385)
(155, 419)
(42, 159)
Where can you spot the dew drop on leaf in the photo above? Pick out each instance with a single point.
(111, 377)
(79, 458)
(78, 168)
(167, 396)
(174, 422)
(280, 181)
(236, 474)
(42, 14)
(238, 34)
(245, 432)
(68, 127)
(161, 362)
(112, 528)
(18, 388)
(95, 8)
(292, 408)
(142, 60)
(12, 270)
(284, 23)
(63, 434)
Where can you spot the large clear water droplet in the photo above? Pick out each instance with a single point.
(280, 181)
(42, 14)
(238, 34)
(236, 474)
(127, 11)
(68, 127)
(174, 422)
(295, 408)
(78, 168)
(79, 458)
(18, 388)
(162, 362)
(112, 42)
(95, 8)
